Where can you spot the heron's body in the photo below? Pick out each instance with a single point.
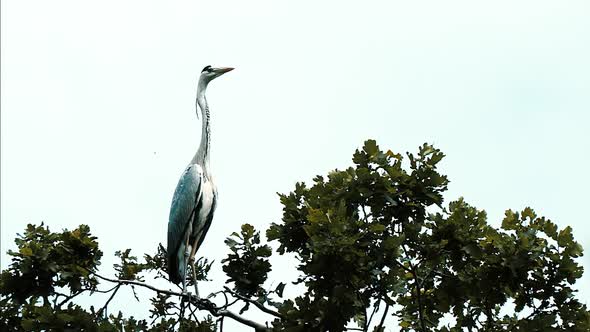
(195, 197)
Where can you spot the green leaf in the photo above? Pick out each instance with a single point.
(247, 230)
(510, 221)
(27, 324)
(354, 235)
(576, 250)
(26, 251)
(474, 250)
(529, 213)
(231, 242)
(565, 237)
(393, 242)
(550, 229)
(371, 147)
(279, 289)
(377, 228)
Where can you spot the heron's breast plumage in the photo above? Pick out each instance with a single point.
(206, 207)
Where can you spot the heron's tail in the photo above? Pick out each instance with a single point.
(177, 265)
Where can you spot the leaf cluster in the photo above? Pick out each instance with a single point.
(247, 265)
(50, 269)
(46, 261)
(366, 241)
(372, 242)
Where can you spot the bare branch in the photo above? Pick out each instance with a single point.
(375, 309)
(202, 304)
(236, 317)
(69, 298)
(104, 291)
(383, 318)
(193, 314)
(99, 312)
(255, 303)
(132, 282)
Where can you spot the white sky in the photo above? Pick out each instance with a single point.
(98, 117)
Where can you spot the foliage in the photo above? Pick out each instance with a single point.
(50, 270)
(247, 266)
(375, 248)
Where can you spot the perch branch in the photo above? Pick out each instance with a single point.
(202, 304)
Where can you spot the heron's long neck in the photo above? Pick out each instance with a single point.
(202, 155)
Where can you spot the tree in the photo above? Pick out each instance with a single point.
(372, 242)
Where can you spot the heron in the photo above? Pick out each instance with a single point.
(195, 197)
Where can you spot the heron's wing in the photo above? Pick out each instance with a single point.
(183, 208)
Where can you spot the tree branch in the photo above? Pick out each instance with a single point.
(383, 318)
(202, 304)
(68, 298)
(255, 303)
(417, 284)
(99, 312)
(236, 317)
(375, 309)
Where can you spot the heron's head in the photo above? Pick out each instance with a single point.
(210, 73)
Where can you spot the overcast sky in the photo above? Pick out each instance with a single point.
(98, 118)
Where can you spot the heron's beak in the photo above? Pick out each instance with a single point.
(223, 70)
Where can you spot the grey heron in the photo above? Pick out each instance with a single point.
(195, 197)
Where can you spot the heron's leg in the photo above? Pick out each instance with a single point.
(187, 254)
(186, 261)
(195, 280)
(192, 258)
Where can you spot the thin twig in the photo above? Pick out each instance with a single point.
(181, 311)
(104, 291)
(227, 302)
(69, 298)
(134, 293)
(141, 284)
(383, 318)
(255, 303)
(364, 213)
(108, 301)
(375, 308)
(365, 328)
(193, 314)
